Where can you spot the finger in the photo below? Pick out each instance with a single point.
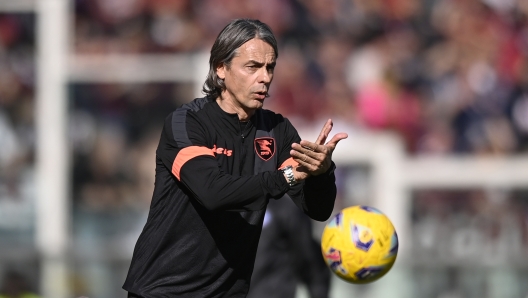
(303, 154)
(300, 158)
(324, 132)
(306, 147)
(338, 137)
(308, 165)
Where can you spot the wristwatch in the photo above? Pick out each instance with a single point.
(288, 172)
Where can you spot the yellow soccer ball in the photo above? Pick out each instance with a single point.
(359, 244)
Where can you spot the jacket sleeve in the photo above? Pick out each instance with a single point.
(315, 195)
(183, 149)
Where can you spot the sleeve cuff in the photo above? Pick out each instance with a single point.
(274, 183)
(328, 176)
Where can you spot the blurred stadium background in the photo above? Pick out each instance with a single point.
(433, 93)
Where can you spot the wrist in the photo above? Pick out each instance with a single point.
(288, 174)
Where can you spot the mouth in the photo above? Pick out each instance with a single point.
(261, 95)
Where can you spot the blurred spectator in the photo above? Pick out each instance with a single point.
(17, 160)
(113, 130)
(17, 132)
(296, 91)
(288, 255)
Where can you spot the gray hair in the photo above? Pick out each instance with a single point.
(225, 47)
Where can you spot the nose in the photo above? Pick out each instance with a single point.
(265, 76)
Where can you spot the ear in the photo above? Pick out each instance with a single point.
(221, 71)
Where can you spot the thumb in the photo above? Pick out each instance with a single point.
(338, 137)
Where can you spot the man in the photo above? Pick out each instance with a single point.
(288, 255)
(219, 160)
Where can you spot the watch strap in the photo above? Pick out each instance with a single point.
(290, 178)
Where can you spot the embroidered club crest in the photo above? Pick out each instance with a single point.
(265, 148)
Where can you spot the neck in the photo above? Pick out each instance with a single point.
(228, 105)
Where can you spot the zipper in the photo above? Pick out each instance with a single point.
(243, 154)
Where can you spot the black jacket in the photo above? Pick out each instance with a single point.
(214, 177)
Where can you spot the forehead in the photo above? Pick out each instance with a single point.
(256, 49)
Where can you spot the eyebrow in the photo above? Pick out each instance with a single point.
(261, 63)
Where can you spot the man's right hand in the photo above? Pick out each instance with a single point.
(315, 158)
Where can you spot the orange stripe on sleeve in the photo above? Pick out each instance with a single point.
(289, 162)
(187, 154)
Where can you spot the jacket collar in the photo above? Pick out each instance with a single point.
(231, 122)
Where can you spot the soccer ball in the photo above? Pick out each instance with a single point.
(359, 244)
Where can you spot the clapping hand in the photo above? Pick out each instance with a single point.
(315, 158)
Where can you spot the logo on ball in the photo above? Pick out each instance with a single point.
(333, 259)
(362, 237)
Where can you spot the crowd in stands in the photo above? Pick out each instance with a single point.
(447, 76)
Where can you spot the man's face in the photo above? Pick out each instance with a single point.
(249, 76)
